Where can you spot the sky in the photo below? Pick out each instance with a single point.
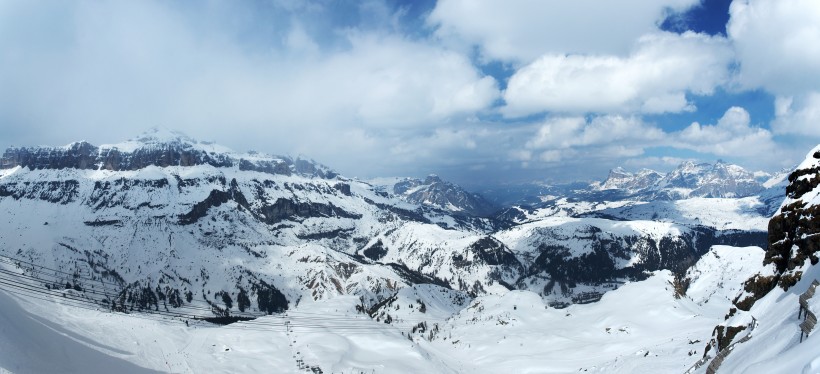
(481, 92)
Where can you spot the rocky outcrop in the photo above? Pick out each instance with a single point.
(794, 233)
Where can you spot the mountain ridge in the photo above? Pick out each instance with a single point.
(688, 180)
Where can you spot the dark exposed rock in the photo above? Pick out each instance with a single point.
(793, 233)
(344, 188)
(61, 192)
(376, 251)
(415, 277)
(108, 222)
(757, 286)
(598, 266)
(332, 234)
(494, 252)
(285, 209)
(725, 334)
(214, 199)
(270, 167)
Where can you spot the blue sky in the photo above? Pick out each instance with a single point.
(477, 91)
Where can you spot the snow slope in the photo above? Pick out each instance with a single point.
(640, 327)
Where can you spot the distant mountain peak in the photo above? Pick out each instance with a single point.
(689, 179)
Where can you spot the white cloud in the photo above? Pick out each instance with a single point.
(655, 163)
(619, 140)
(384, 81)
(653, 79)
(560, 138)
(367, 96)
(800, 115)
(523, 30)
(733, 135)
(777, 44)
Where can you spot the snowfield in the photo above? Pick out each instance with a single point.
(640, 327)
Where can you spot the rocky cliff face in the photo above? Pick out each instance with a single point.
(155, 148)
(793, 231)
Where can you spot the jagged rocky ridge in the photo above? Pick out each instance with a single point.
(234, 240)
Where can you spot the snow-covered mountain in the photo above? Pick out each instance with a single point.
(434, 192)
(688, 180)
(166, 221)
(170, 222)
(629, 183)
(345, 275)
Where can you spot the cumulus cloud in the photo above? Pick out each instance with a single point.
(798, 115)
(523, 30)
(624, 140)
(655, 78)
(778, 46)
(733, 135)
(386, 81)
(611, 136)
(777, 43)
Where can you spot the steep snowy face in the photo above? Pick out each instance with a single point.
(156, 147)
(719, 180)
(433, 191)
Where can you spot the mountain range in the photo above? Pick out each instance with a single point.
(688, 180)
(165, 225)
